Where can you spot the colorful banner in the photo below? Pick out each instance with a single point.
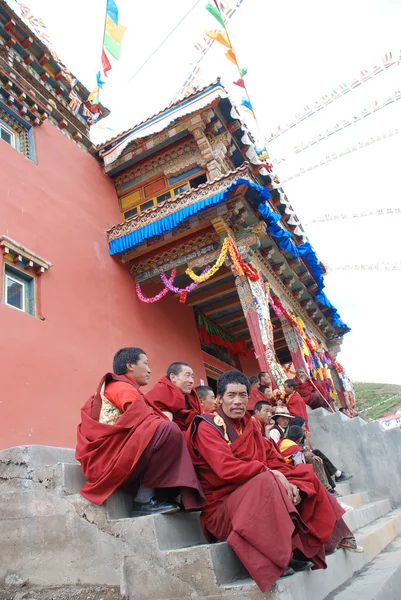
(371, 213)
(112, 39)
(343, 89)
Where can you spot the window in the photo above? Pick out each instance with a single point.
(197, 181)
(130, 213)
(146, 205)
(19, 290)
(7, 135)
(181, 188)
(163, 197)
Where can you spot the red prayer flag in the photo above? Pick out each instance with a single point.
(105, 63)
(240, 82)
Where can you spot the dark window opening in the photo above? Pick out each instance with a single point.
(146, 205)
(130, 213)
(197, 181)
(163, 197)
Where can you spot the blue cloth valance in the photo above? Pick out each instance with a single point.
(281, 236)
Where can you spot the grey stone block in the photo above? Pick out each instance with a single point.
(227, 566)
(179, 530)
(72, 478)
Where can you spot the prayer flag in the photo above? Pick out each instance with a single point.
(75, 101)
(111, 46)
(112, 11)
(243, 71)
(219, 36)
(231, 56)
(240, 83)
(214, 11)
(106, 66)
(116, 32)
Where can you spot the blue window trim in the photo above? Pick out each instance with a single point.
(28, 128)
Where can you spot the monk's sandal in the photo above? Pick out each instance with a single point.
(350, 545)
(154, 507)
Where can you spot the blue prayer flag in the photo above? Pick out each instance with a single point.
(112, 11)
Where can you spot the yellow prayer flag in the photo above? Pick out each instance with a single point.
(114, 31)
(219, 36)
(231, 56)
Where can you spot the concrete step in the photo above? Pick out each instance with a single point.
(344, 489)
(341, 566)
(379, 580)
(356, 500)
(366, 514)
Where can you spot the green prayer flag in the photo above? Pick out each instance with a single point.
(111, 46)
(243, 71)
(214, 11)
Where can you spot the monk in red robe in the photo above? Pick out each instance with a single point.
(255, 395)
(252, 495)
(313, 393)
(124, 441)
(175, 396)
(206, 397)
(263, 415)
(294, 401)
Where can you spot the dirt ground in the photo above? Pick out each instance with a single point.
(28, 592)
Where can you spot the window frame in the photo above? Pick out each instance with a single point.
(14, 137)
(10, 276)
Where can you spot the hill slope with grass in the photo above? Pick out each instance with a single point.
(373, 395)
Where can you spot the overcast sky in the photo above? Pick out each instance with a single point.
(296, 52)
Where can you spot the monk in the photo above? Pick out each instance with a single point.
(255, 395)
(311, 390)
(243, 476)
(125, 441)
(263, 415)
(206, 397)
(174, 395)
(294, 401)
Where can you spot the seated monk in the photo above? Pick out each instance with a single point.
(263, 415)
(242, 474)
(311, 390)
(124, 441)
(294, 401)
(290, 446)
(206, 397)
(255, 395)
(174, 395)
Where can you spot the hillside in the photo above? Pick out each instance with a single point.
(371, 394)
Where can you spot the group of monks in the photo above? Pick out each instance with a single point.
(181, 448)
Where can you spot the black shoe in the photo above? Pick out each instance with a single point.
(288, 572)
(344, 477)
(300, 565)
(153, 507)
(333, 492)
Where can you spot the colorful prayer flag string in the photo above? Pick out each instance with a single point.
(112, 39)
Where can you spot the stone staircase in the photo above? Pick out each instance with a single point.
(54, 537)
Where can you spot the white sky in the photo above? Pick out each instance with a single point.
(296, 52)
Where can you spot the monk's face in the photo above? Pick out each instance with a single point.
(184, 380)
(139, 371)
(234, 400)
(288, 389)
(208, 402)
(264, 415)
(265, 380)
(268, 391)
(301, 374)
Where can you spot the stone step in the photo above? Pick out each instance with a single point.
(366, 514)
(344, 489)
(380, 580)
(341, 566)
(356, 500)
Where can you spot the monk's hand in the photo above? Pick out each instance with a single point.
(292, 490)
(317, 459)
(268, 428)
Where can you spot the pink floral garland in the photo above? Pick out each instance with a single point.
(158, 296)
(178, 290)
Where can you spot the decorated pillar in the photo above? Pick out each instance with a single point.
(291, 338)
(252, 301)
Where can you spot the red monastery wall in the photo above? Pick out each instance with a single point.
(60, 209)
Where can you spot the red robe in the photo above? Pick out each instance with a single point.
(256, 396)
(296, 406)
(307, 390)
(110, 454)
(168, 397)
(234, 479)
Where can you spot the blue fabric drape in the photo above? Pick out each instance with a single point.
(280, 235)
